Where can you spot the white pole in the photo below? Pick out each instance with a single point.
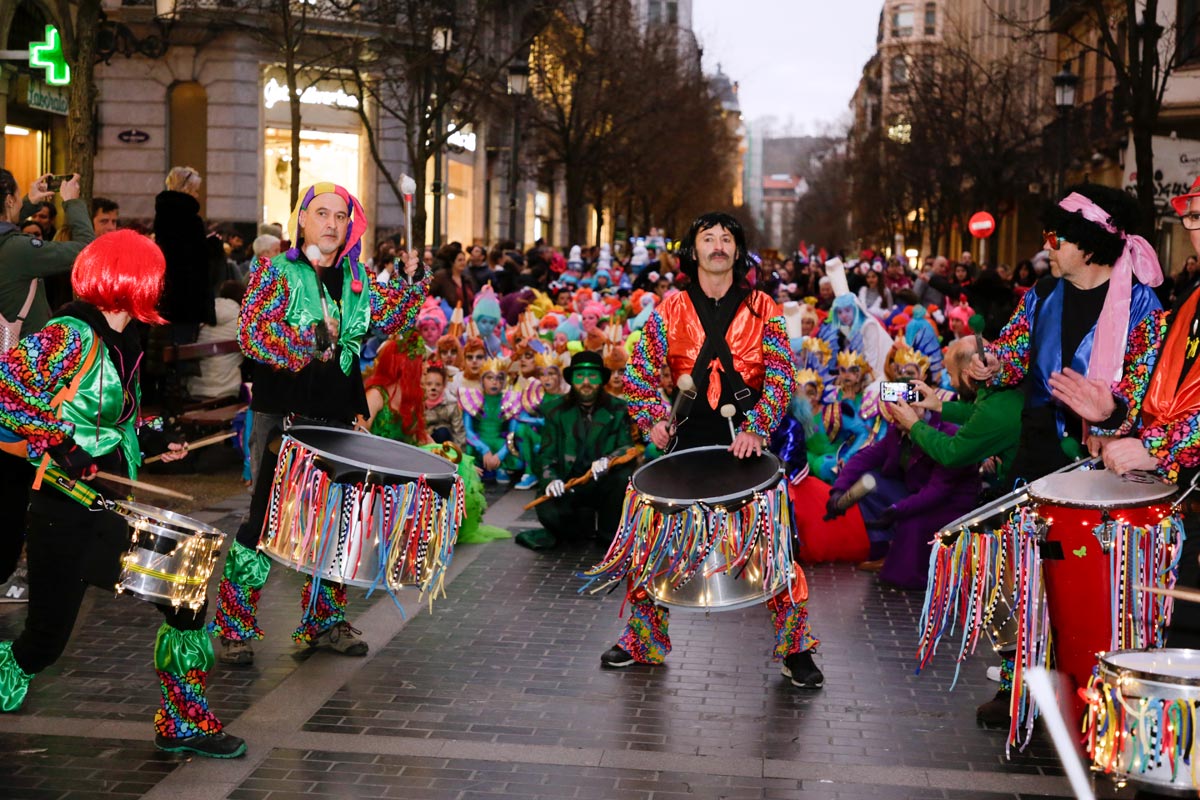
(1042, 690)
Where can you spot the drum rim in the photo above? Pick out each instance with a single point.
(147, 513)
(1150, 677)
(712, 501)
(449, 473)
(1041, 499)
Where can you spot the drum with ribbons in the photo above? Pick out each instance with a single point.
(704, 530)
(359, 509)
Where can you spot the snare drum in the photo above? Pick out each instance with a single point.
(359, 509)
(1141, 723)
(1099, 537)
(704, 530)
(171, 557)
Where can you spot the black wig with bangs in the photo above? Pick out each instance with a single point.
(1105, 247)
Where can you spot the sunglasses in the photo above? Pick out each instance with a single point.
(1052, 239)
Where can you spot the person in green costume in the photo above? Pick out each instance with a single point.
(582, 432)
(490, 419)
(71, 393)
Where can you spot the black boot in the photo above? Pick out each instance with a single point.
(994, 712)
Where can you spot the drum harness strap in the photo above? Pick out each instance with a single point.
(714, 355)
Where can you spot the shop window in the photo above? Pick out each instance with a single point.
(900, 130)
(930, 19)
(1188, 16)
(902, 20)
(541, 216)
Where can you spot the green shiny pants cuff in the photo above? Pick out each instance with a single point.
(246, 567)
(14, 681)
(178, 652)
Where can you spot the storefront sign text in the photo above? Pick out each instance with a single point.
(276, 92)
(47, 98)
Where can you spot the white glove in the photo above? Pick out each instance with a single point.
(556, 489)
(599, 467)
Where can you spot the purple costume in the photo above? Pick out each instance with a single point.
(922, 495)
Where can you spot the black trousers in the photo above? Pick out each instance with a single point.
(570, 516)
(70, 546)
(16, 476)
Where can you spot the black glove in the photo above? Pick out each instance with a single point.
(73, 459)
(322, 341)
(886, 520)
(831, 509)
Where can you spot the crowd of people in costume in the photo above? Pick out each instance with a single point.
(559, 373)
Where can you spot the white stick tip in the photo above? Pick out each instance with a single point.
(728, 410)
(685, 383)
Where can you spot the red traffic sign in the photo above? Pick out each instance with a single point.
(981, 225)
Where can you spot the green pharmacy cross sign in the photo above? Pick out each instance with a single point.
(49, 56)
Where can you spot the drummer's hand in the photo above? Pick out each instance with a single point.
(1090, 398)
(599, 467)
(747, 444)
(411, 263)
(981, 371)
(555, 489)
(1095, 444)
(491, 461)
(333, 327)
(928, 397)
(175, 451)
(903, 414)
(1127, 455)
(660, 434)
(73, 460)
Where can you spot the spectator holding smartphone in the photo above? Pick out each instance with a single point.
(25, 262)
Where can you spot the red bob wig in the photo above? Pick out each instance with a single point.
(121, 271)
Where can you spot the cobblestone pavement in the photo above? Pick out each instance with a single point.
(497, 693)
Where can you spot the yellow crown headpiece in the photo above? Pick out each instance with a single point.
(907, 355)
(494, 365)
(818, 347)
(851, 358)
(807, 376)
(552, 359)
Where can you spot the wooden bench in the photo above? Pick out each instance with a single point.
(215, 412)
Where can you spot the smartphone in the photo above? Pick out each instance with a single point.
(895, 391)
(55, 181)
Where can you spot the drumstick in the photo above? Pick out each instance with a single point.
(145, 487)
(1191, 595)
(729, 411)
(196, 445)
(628, 455)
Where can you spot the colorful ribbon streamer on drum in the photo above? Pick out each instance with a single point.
(326, 526)
(652, 545)
(1136, 738)
(966, 581)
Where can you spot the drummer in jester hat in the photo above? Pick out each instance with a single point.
(581, 432)
(89, 355)
(759, 386)
(1153, 415)
(303, 322)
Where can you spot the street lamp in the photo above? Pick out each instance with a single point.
(441, 42)
(1064, 101)
(518, 85)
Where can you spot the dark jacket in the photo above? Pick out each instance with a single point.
(570, 443)
(179, 231)
(26, 258)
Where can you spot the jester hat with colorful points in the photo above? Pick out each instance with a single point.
(354, 230)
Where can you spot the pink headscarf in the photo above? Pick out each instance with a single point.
(1138, 260)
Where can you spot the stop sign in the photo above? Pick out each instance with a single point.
(981, 225)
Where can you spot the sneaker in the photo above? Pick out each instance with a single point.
(16, 590)
(234, 652)
(995, 711)
(341, 638)
(527, 482)
(616, 658)
(502, 477)
(993, 674)
(219, 745)
(799, 667)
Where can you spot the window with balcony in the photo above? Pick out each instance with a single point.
(902, 20)
(1188, 15)
(930, 19)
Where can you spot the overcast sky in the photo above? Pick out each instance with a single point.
(797, 60)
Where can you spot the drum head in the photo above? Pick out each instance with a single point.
(711, 475)
(356, 457)
(1168, 665)
(1097, 489)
